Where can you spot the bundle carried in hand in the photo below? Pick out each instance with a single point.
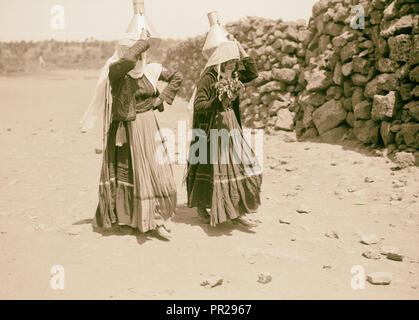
(228, 90)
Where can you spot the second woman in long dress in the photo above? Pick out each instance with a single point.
(136, 190)
(215, 180)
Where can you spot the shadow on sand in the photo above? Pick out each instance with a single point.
(122, 231)
(188, 216)
(351, 144)
(184, 215)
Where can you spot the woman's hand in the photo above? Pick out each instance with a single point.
(158, 104)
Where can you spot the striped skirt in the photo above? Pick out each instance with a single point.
(229, 183)
(136, 189)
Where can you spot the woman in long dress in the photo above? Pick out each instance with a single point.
(136, 190)
(215, 179)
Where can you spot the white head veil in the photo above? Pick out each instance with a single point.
(138, 28)
(96, 106)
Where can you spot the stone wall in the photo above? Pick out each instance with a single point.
(362, 82)
(341, 76)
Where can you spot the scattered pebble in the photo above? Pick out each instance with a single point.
(98, 151)
(369, 180)
(327, 267)
(291, 169)
(284, 221)
(395, 256)
(371, 255)
(369, 239)
(264, 277)
(399, 183)
(303, 209)
(380, 278)
(332, 234)
(212, 282)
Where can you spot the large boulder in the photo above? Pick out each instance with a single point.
(385, 106)
(349, 50)
(347, 69)
(362, 110)
(285, 75)
(414, 74)
(413, 108)
(400, 47)
(387, 65)
(402, 25)
(335, 135)
(371, 89)
(285, 120)
(317, 79)
(272, 86)
(409, 133)
(329, 116)
(367, 131)
(314, 99)
(388, 82)
(391, 11)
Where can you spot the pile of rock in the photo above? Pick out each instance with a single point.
(361, 74)
(277, 47)
(353, 72)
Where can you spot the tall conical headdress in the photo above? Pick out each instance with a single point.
(139, 22)
(216, 35)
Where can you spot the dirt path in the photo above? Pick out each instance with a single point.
(49, 182)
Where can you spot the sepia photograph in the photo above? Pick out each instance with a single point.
(235, 151)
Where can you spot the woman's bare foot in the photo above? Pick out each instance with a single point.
(162, 233)
(168, 229)
(242, 221)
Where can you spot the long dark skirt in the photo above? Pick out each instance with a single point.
(229, 188)
(135, 188)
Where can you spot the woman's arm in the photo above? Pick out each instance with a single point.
(124, 65)
(174, 80)
(206, 99)
(250, 71)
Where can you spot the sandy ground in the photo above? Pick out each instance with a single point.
(48, 194)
